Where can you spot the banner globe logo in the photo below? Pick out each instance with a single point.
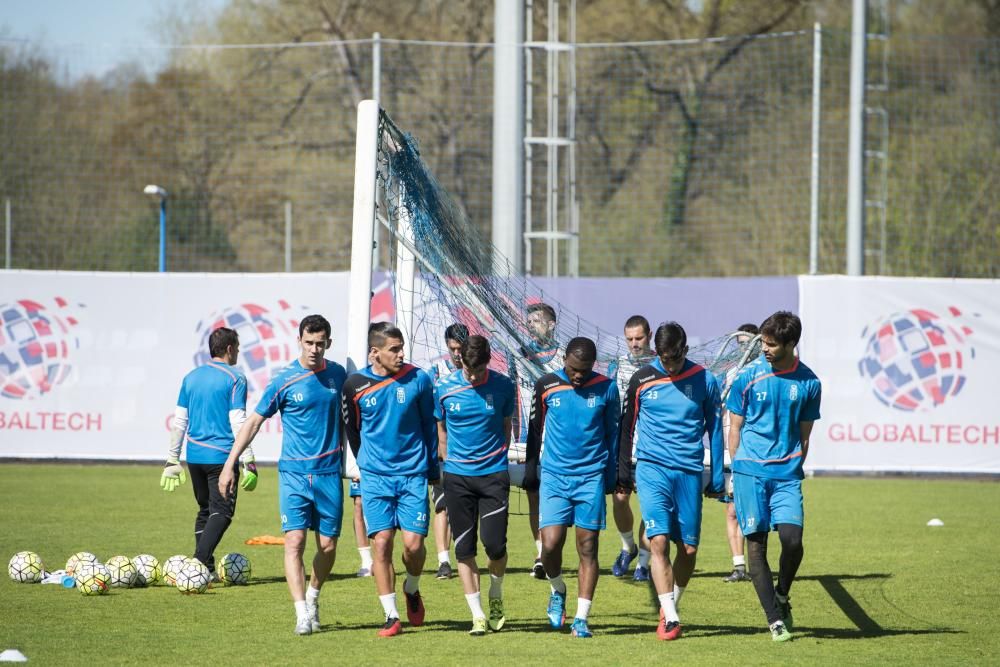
(268, 339)
(36, 344)
(915, 359)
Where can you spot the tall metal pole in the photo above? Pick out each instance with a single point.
(508, 132)
(377, 96)
(814, 176)
(856, 144)
(7, 234)
(163, 234)
(288, 236)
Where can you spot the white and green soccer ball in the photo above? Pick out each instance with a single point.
(147, 570)
(78, 559)
(122, 571)
(92, 578)
(25, 567)
(234, 570)
(171, 567)
(193, 577)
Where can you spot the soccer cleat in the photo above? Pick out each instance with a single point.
(213, 578)
(736, 575)
(303, 626)
(625, 558)
(668, 630)
(478, 627)
(557, 609)
(779, 632)
(497, 618)
(365, 572)
(537, 571)
(444, 571)
(641, 573)
(580, 629)
(312, 611)
(786, 612)
(391, 628)
(414, 608)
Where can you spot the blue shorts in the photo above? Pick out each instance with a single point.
(762, 503)
(311, 502)
(571, 500)
(394, 501)
(671, 502)
(355, 489)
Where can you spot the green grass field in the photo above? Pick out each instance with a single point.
(876, 586)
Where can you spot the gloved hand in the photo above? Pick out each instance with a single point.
(531, 481)
(173, 475)
(249, 481)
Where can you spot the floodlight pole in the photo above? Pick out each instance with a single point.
(161, 194)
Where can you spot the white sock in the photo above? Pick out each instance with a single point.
(443, 557)
(668, 607)
(312, 595)
(300, 609)
(389, 605)
(496, 587)
(582, 608)
(366, 557)
(628, 540)
(411, 584)
(739, 561)
(475, 605)
(538, 546)
(557, 584)
(643, 557)
(678, 592)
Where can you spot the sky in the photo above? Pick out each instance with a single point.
(92, 37)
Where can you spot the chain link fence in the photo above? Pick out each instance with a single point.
(692, 158)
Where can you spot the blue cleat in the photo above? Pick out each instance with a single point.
(625, 558)
(580, 628)
(641, 573)
(557, 609)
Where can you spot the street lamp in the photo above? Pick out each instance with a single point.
(161, 194)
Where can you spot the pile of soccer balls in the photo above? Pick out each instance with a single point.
(91, 577)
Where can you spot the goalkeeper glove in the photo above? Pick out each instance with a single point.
(249, 481)
(173, 475)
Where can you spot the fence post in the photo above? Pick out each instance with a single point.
(856, 144)
(288, 236)
(377, 96)
(814, 176)
(7, 233)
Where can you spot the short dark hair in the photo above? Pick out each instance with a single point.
(457, 332)
(220, 340)
(582, 348)
(749, 328)
(544, 308)
(670, 336)
(637, 321)
(784, 327)
(314, 324)
(475, 351)
(378, 332)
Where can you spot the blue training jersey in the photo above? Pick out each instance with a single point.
(773, 404)
(208, 393)
(390, 422)
(309, 402)
(580, 425)
(473, 415)
(671, 415)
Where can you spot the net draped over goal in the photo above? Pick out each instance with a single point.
(459, 277)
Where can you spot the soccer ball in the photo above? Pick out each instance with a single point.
(193, 577)
(78, 559)
(147, 570)
(92, 578)
(123, 572)
(171, 568)
(235, 569)
(25, 567)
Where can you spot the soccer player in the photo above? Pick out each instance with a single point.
(672, 404)
(541, 355)
(210, 410)
(733, 534)
(773, 404)
(474, 407)
(577, 411)
(389, 417)
(637, 339)
(453, 337)
(360, 532)
(310, 492)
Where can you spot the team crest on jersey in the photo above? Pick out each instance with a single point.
(793, 392)
(400, 395)
(689, 392)
(591, 400)
(489, 401)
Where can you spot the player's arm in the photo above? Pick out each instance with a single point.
(351, 417)
(627, 435)
(810, 413)
(612, 417)
(735, 426)
(533, 447)
(227, 480)
(737, 412)
(805, 430)
(173, 474)
(425, 402)
(238, 417)
(712, 410)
